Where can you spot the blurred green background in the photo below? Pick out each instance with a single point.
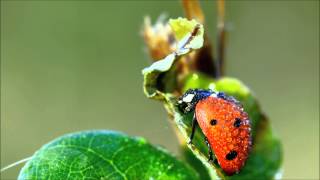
(75, 65)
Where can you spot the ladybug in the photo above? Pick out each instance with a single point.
(224, 123)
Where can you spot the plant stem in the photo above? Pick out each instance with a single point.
(221, 39)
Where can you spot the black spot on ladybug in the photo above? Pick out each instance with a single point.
(237, 122)
(231, 155)
(213, 122)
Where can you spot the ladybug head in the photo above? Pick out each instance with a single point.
(189, 99)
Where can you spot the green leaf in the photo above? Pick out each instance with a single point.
(104, 155)
(266, 156)
(161, 83)
(195, 162)
(182, 29)
(160, 76)
(232, 87)
(182, 26)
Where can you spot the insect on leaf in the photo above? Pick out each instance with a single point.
(266, 155)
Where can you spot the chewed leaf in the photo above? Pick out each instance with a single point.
(160, 77)
(104, 155)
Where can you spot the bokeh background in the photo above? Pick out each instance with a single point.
(76, 65)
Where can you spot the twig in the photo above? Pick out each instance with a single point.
(193, 10)
(203, 61)
(221, 39)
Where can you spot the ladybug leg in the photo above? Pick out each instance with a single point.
(194, 124)
(209, 150)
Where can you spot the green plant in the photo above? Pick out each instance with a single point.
(162, 83)
(103, 155)
(190, 64)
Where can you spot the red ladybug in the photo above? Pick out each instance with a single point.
(224, 123)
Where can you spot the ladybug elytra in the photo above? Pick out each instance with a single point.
(224, 123)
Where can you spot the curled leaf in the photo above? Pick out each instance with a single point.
(266, 156)
(160, 76)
